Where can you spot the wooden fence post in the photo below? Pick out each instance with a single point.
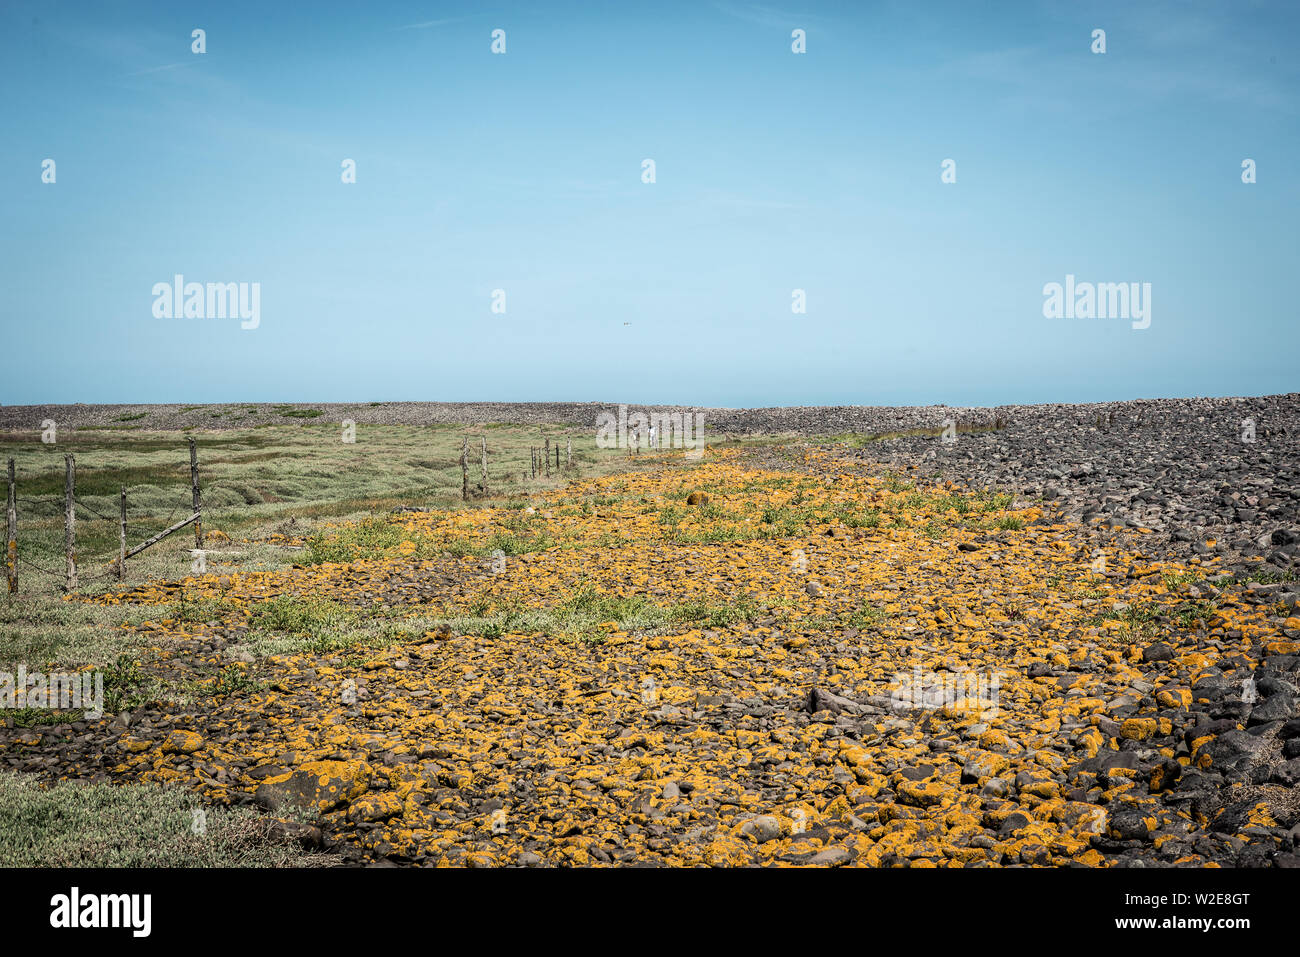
(485, 481)
(557, 457)
(548, 456)
(11, 522)
(121, 539)
(464, 467)
(198, 502)
(70, 519)
(568, 456)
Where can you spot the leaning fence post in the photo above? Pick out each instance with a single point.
(464, 469)
(121, 539)
(198, 503)
(11, 522)
(70, 519)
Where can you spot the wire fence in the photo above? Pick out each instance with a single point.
(546, 459)
(74, 509)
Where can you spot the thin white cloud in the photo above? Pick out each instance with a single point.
(763, 16)
(158, 69)
(431, 23)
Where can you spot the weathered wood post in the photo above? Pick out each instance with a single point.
(121, 539)
(464, 470)
(568, 455)
(548, 456)
(11, 538)
(557, 456)
(485, 481)
(194, 484)
(70, 519)
(161, 535)
(532, 461)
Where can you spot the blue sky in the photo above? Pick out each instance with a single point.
(774, 172)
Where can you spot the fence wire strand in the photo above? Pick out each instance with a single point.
(62, 575)
(38, 506)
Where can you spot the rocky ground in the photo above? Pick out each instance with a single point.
(813, 655)
(1274, 414)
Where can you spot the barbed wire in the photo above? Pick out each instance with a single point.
(116, 519)
(24, 500)
(166, 523)
(43, 571)
(62, 575)
(100, 515)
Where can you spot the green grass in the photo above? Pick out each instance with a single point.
(1137, 623)
(516, 543)
(315, 625)
(44, 630)
(864, 518)
(581, 614)
(716, 535)
(135, 825)
(865, 616)
(364, 539)
(232, 679)
(127, 686)
(1188, 614)
(784, 521)
(896, 483)
(189, 609)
